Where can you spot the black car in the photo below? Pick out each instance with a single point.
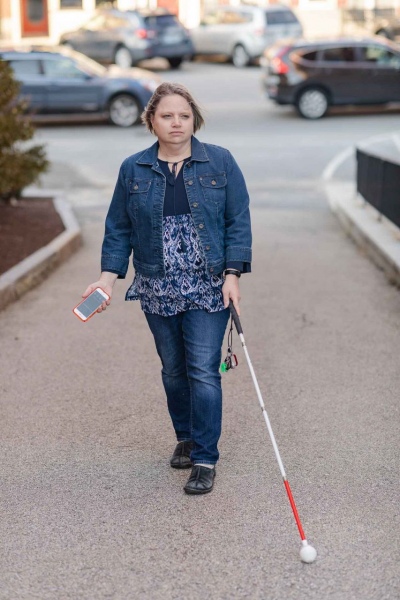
(314, 76)
(127, 37)
(64, 83)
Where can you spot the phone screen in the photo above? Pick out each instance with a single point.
(91, 303)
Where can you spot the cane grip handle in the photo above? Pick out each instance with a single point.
(235, 318)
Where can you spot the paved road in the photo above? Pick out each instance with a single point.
(91, 509)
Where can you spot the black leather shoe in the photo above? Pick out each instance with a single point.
(181, 456)
(201, 480)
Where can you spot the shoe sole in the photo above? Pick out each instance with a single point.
(189, 466)
(198, 492)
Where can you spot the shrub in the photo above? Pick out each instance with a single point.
(19, 166)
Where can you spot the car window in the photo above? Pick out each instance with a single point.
(134, 20)
(161, 21)
(96, 24)
(87, 65)
(25, 67)
(63, 68)
(212, 18)
(310, 55)
(280, 17)
(341, 54)
(235, 17)
(114, 22)
(379, 56)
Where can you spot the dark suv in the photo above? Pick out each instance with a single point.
(127, 37)
(315, 76)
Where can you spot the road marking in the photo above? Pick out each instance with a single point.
(337, 161)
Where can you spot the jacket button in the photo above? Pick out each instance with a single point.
(201, 226)
(211, 270)
(189, 165)
(195, 205)
(213, 182)
(135, 187)
(207, 247)
(190, 182)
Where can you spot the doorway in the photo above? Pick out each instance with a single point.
(34, 18)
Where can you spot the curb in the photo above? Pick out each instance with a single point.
(27, 274)
(373, 233)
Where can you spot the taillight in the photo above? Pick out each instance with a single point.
(141, 33)
(278, 66)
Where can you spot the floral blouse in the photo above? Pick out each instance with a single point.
(187, 285)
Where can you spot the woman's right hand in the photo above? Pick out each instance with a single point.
(106, 283)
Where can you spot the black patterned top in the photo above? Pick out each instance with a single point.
(187, 284)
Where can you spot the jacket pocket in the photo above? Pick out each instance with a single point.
(139, 189)
(213, 187)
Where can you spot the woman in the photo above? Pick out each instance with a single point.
(182, 208)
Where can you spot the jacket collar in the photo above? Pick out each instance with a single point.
(149, 156)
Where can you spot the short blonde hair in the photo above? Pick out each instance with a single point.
(170, 89)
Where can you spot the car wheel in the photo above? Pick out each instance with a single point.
(312, 103)
(240, 58)
(123, 57)
(124, 110)
(175, 62)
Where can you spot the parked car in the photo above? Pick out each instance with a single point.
(65, 82)
(127, 37)
(242, 33)
(314, 76)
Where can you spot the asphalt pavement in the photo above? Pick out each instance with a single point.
(91, 508)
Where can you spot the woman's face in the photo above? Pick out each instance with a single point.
(173, 120)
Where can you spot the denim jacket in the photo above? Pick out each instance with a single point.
(219, 204)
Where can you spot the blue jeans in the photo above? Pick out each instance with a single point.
(189, 345)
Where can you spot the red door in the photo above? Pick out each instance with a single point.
(171, 5)
(34, 18)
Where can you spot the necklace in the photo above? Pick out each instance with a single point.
(175, 164)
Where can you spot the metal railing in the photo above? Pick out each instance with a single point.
(378, 182)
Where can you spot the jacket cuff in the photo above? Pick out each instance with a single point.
(115, 264)
(238, 254)
(243, 267)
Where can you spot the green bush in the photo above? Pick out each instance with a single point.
(19, 166)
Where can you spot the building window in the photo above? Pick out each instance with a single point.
(71, 3)
(35, 10)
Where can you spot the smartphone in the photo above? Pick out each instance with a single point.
(87, 308)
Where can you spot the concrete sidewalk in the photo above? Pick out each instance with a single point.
(378, 237)
(90, 507)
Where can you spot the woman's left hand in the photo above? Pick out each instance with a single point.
(231, 291)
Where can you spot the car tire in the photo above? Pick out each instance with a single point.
(175, 62)
(312, 103)
(122, 57)
(240, 57)
(124, 110)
